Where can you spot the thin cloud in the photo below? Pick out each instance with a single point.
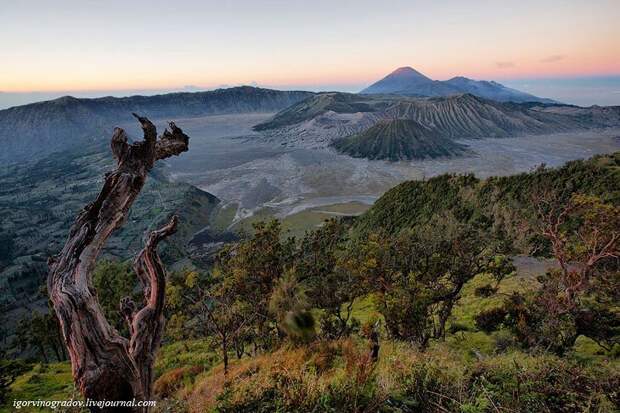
(505, 65)
(553, 58)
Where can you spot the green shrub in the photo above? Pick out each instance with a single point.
(456, 327)
(489, 320)
(545, 384)
(485, 291)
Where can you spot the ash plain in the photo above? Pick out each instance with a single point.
(230, 160)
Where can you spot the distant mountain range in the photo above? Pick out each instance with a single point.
(408, 81)
(324, 119)
(41, 128)
(306, 119)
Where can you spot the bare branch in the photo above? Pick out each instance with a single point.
(150, 132)
(172, 142)
(149, 267)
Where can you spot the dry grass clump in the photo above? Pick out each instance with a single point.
(173, 380)
(340, 376)
(290, 379)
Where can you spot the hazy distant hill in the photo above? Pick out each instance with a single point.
(408, 81)
(398, 139)
(40, 128)
(462, 116)
(493, 90)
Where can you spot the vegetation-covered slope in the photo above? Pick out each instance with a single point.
(503, 199)
(39, 199)
(423, 313)
(398, 139)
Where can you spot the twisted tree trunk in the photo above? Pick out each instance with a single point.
(106, 365)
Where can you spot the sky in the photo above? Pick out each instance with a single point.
(93, 48)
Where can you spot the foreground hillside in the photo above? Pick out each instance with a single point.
(419, 305)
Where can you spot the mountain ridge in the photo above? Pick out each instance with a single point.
(38, 129)
(323, 118)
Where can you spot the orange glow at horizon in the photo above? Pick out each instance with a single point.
(108, 83)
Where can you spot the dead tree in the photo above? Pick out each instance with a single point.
(106, 365)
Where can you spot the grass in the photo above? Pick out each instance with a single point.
(223, 217)
(245, 225)
(471, 305)
(307, 373)
(364, 310)
(296, 225)
(43, 382)
(186, 353)
(347, 208)
(339, 376)
(176, 366)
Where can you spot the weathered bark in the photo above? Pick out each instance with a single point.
(105, 365)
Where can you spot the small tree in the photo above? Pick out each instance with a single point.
(323, 266)
(40, 331)
(113, 281)
(584, 233)
(211, 305)
(251, 269)
(419, 274)
(576, 299)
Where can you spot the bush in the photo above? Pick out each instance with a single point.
(545, 384)
(503, 341)
(457, 327)
(489, 320)
(485, 291)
